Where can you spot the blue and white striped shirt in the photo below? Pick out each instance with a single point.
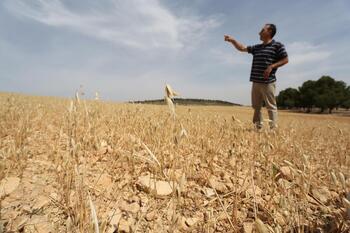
(263, 56)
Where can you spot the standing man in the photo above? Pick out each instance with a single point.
(267, 57)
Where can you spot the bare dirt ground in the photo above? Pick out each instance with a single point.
(91, 166)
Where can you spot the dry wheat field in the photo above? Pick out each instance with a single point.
(94, 166)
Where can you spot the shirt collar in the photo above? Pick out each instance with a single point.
(271, 42)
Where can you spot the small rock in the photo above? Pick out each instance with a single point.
(159, 188)
(280, 219)
(40, 202)
(54, 196)
(131, 208)
(221, 216)
(285, 184)
(286, 172)
(219, 228)
(208, 192)
(322, 194)
(151, 216)
(20, 222)
(286, 213)
(248, 227)
(241, 215)
(163, 188)
(104, 181)
(191, 221)
(256, 190)
(175, 174)
(261, 226)
(41, 227)
(217, 185)
(103, 144)
(134, 199)
(114, 217)
(8, 185)
(27, 208)
(182, 223)
(232, 162)
(144, 201)
(334, 195)
(229, 185)
(125, 226)
(109, 149)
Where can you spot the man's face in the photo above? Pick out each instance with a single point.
(264, 33)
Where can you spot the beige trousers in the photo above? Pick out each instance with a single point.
(262, 92)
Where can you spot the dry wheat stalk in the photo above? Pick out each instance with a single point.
(40, 127)
(93, 215)
(169, 95)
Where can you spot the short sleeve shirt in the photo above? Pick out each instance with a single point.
(263, 56)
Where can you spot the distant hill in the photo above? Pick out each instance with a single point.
(182, 101)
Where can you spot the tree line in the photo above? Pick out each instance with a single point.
(324, 94)
(187, 101)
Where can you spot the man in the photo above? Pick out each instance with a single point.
(267, 57)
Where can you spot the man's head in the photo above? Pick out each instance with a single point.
(267, 32)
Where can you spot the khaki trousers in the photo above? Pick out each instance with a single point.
(262, 92)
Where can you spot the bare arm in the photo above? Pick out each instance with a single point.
(280, 63)
(235, 43)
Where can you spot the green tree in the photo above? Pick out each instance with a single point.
(346, 102)
(288, 98)
(307, 95)
(329, 93)
(325, 93)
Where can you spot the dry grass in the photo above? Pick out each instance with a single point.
(293, 179)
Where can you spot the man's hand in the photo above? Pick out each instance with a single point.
(228, 38)
(280, 63)
(235, 43)
(267, 72)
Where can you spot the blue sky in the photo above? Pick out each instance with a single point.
(129, 49)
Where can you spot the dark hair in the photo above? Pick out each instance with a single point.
(272, 29)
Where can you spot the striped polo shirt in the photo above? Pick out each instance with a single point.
(263, 56)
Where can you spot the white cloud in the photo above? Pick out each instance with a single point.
(138, 24)
(304, 53)
(230, 57)
(307, 61)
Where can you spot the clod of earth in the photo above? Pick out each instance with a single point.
(159, 188)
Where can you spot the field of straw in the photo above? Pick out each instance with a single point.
(93, 166)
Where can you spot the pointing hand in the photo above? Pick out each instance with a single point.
(228, 38)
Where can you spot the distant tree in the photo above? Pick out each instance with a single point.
(342, 93)
(325, 93)
(288, 98)
(346, 102)
(330, 94)
(307, 95)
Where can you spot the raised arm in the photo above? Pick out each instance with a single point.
(235, 43)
